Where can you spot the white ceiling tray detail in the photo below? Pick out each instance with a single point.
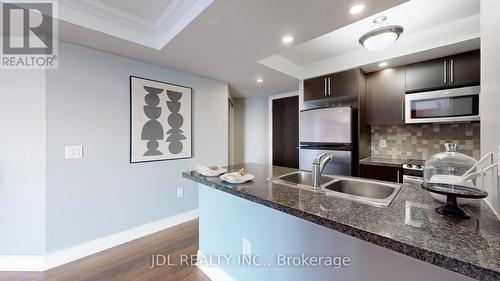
(149, 23)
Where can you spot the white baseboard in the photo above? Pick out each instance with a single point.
(214, 273)
(22, 262)
(45, 262)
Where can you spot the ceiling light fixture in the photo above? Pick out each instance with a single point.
(381, 36)
(287, 39)
(356, 9)
(260, 80)
(382, 64)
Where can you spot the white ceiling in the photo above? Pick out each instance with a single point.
(413, 16)
(428, 24)
(221, 39)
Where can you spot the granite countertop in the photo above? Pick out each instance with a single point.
(380, 161)
(409, 225)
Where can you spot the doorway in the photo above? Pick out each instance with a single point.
(285, 114)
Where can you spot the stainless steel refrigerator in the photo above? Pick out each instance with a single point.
(331, 130)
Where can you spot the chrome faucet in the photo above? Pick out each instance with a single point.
(319, 164)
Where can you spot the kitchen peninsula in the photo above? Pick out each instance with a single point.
(407, 240)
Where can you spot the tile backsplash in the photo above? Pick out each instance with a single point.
(421, 141)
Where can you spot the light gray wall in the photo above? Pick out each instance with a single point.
(251, 132)
(88, 104)
(22, 162)
(490, 89)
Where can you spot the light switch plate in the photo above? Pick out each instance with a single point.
(73, 152)
(180, 192)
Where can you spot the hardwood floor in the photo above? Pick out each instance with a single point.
(130, 261)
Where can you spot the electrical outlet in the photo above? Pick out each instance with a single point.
(180, 192)
(247, 247)
(382, 143)
(73, 152)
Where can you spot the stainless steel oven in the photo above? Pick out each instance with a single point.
(413, 171)
(452, 105)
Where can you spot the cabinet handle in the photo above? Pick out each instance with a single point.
(451, 71)
(444, 71)
(397, 175)
(325, 87)
(403, 110)
(329, 88)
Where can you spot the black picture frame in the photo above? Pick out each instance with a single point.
(132, 160)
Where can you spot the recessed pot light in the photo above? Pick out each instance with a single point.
(383, 64)
(356, 9)
(260, 80)
(287, 39)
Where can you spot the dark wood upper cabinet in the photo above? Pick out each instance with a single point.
(449, 72)
(316, 88)
(465, 69)
(385, 94)
(345, 83)
(333, 85)
(427, 75)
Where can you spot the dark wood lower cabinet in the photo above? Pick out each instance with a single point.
(383, 173)
(286, 132)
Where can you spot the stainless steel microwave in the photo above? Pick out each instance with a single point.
(451, 105)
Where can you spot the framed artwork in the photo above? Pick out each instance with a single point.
(160, 121)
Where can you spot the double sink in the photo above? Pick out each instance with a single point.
(366, 191)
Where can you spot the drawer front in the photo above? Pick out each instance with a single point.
(383, 173)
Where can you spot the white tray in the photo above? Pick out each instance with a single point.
(205, 171)
(236, 177)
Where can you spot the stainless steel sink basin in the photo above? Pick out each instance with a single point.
(367, 191)
(372, 192)
(303, 178)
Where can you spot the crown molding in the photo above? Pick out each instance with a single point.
(153, 33)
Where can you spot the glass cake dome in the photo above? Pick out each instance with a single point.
(443, 178)
(448, 166)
